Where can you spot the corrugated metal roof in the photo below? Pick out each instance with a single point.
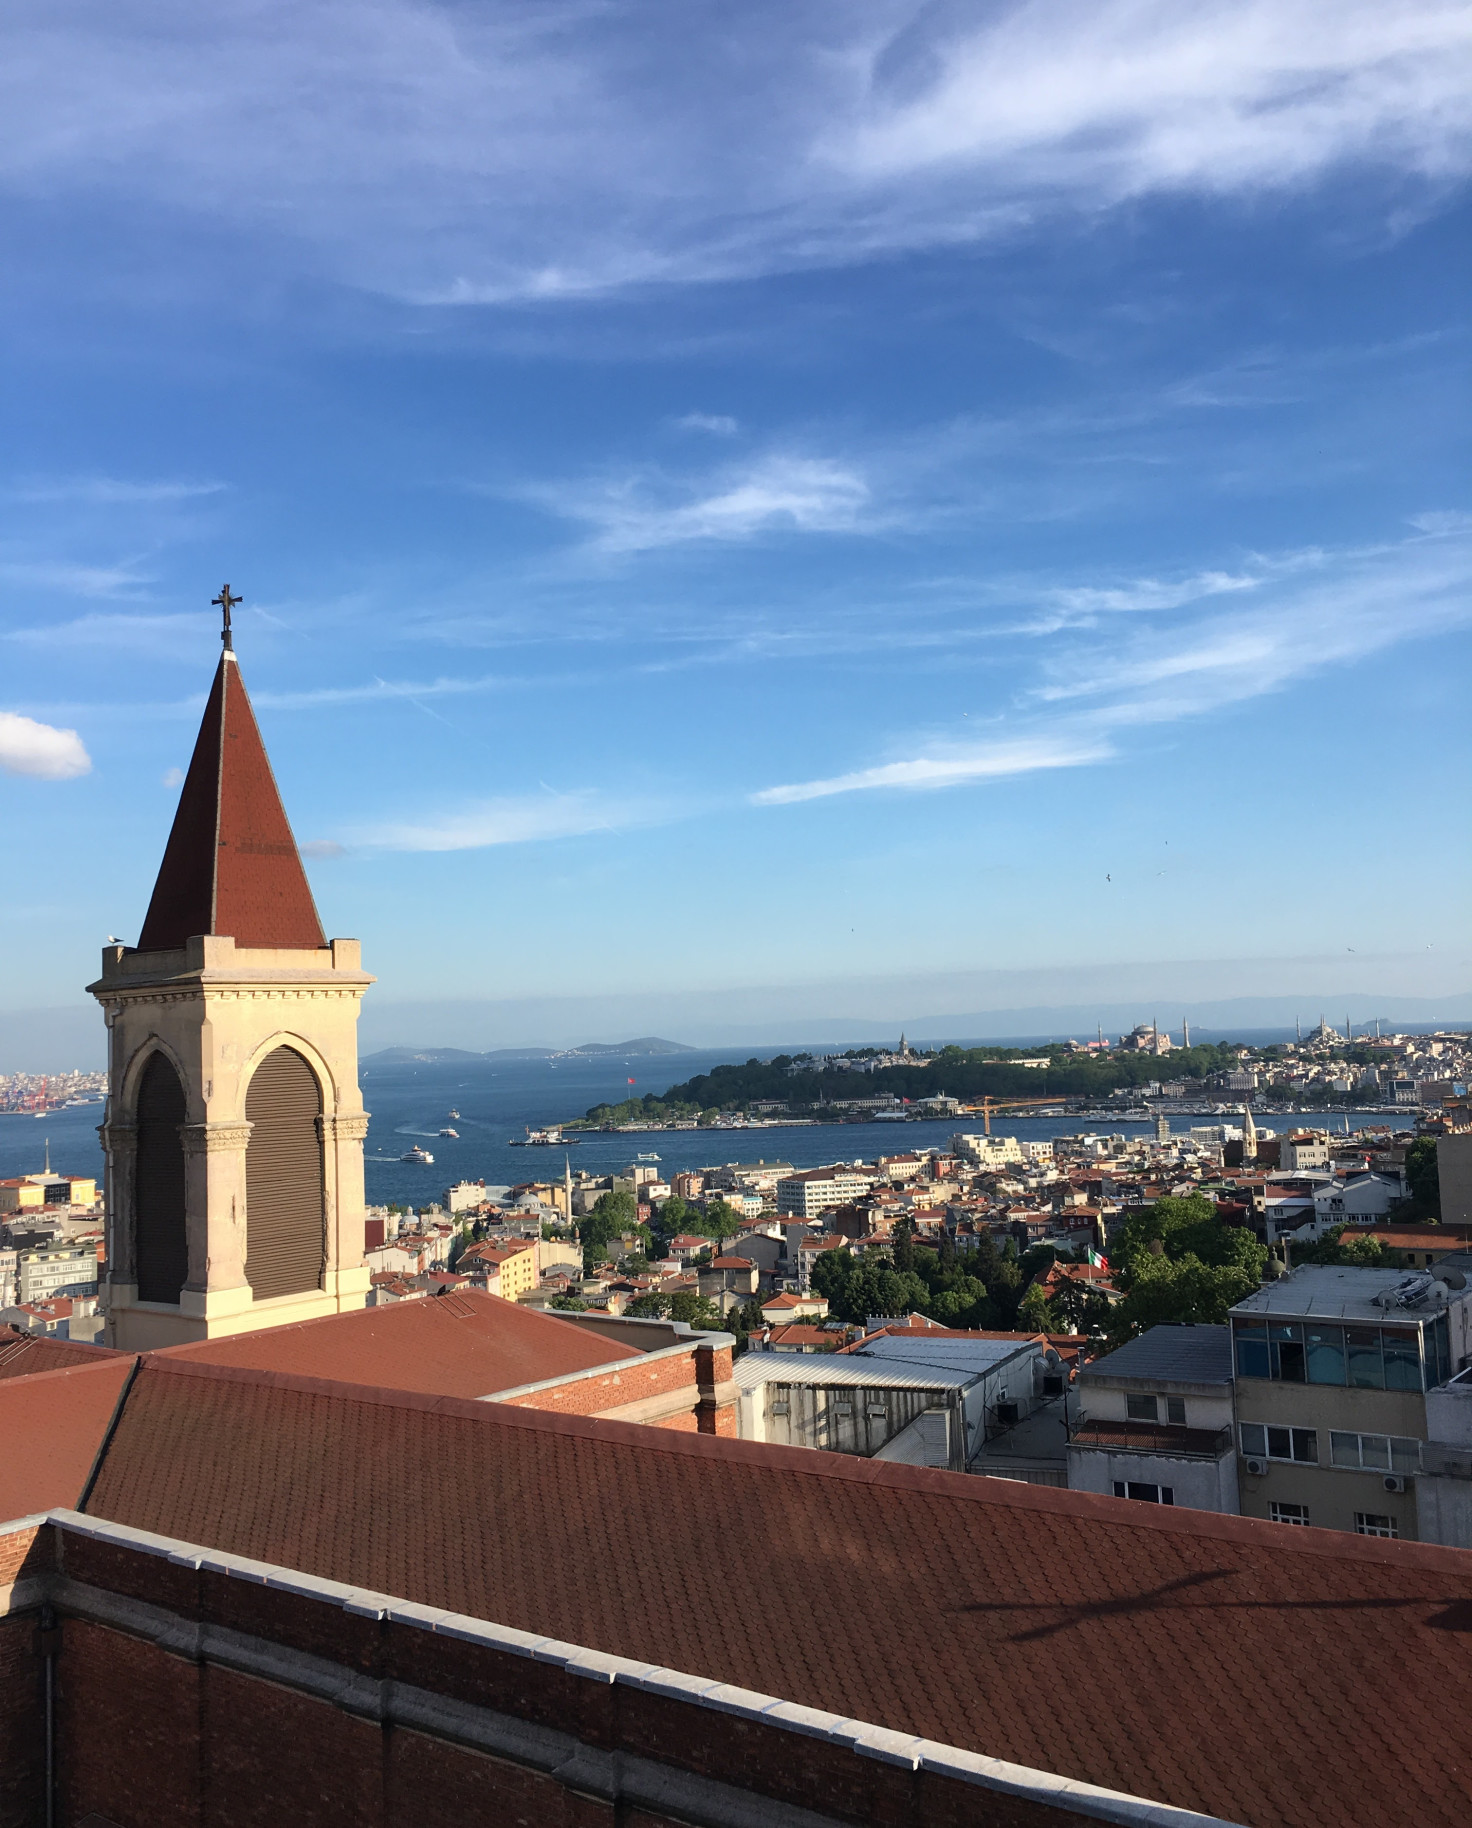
(754, 1368)
(973, 1356)
(1319, 1292)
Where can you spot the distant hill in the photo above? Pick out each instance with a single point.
(646, 1044)
(447, 1056)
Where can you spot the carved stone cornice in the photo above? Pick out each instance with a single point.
(214, 1138)
(351, 1128)
(118, 1138)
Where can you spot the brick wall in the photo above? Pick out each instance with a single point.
(150, 1736)
(631, 1383)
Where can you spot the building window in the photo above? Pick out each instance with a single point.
(1375, 1523)
(1375, 1452)
(1143, 1493)
(1289, 1513)
(1364, 1357)
(1175, 1411)
(1141, 1409)
(1260, 1442)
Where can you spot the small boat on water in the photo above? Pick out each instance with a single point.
(452, 1112)
(421, 1158)
(447, 1131)
(648, 1158)
(542, 1139)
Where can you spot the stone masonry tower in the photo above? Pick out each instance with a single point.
(234, 1129)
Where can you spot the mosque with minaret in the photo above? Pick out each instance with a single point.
(234, 1125)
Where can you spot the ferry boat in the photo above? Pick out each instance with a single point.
(542, 1139)
(447, 1131)
(421, 1158)
(452, 1113)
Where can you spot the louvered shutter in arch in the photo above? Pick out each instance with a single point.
(161, 1236)
(284, 1205)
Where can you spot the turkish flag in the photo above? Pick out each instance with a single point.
(633, 1082)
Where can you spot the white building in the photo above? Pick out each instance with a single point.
(1156, 1421)
(805, 1194)
(989, 1151)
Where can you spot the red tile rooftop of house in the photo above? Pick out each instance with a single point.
(24, 1354)
(464, 1344)
(1188, 1633)
(51, 1426)
(231, 865)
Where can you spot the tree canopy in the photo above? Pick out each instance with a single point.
(1176, 1261)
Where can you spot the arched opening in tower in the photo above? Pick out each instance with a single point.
(284, 1202)
(162, 1237)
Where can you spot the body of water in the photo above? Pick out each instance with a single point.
(410, 1103)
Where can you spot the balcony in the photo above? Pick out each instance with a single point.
(1153, 1438)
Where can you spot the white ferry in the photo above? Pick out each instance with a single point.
(421, 1158)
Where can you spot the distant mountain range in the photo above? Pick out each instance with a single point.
(432, 1056)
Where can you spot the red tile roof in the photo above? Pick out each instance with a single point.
(24, 1354)
(1190, 1632)
(231, 865)
(51, 1426)
(463, 1344)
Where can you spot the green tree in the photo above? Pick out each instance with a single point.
(718, 1221)
(695, 1310)
(902, 1245)
(612, 1215)
(570, 1304)
(1423, 1176)
(1035, 1312)
(1177, 1262)
(1354, 1253)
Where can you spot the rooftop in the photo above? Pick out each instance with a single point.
(1173, 1354)
(754, 1368)
(969, 1355)
(231, 865)
(1319, 1292)
(977, 1592)
(464, 1344)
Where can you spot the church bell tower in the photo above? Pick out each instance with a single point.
(234, 1128)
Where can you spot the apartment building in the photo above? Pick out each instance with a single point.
(815, 1190)
(1332, 1370)
(1155, 1421)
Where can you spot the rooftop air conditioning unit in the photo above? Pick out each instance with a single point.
(1394, 1482)
(1257, 1466)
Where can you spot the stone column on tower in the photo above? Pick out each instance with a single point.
(234, 1125)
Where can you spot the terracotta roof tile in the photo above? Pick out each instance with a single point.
(466, 1344)
(1216, 1663)
(231, 865)
(24, 1354)
(51, 1426)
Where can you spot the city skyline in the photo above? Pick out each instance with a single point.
(1006, 521)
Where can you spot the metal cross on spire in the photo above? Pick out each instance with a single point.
(225, 603)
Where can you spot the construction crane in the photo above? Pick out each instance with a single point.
(990, 1104)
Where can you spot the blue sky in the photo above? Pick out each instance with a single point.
(751, 505)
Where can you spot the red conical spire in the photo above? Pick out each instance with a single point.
(231, 865)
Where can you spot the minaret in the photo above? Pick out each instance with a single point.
(234, 1128)
(1185, 1033)
(1249, 1137)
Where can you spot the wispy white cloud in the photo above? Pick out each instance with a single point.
(471, 154)
(323, 849)
(777, 493)
(1316, 612)
(41, 750)
(514, 819)
(79, 580)
(96, 631)
(719, 425)
(989, 761)
(109, 491)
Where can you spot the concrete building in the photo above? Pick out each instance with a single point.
(988, 1151)
(234, 1124)
(1332, 1370)
(918, 1415)
(508, 1270)
(815, 1190)
(55, 1269)
(1155, 1421)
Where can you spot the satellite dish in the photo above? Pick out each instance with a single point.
(1453, 1278)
